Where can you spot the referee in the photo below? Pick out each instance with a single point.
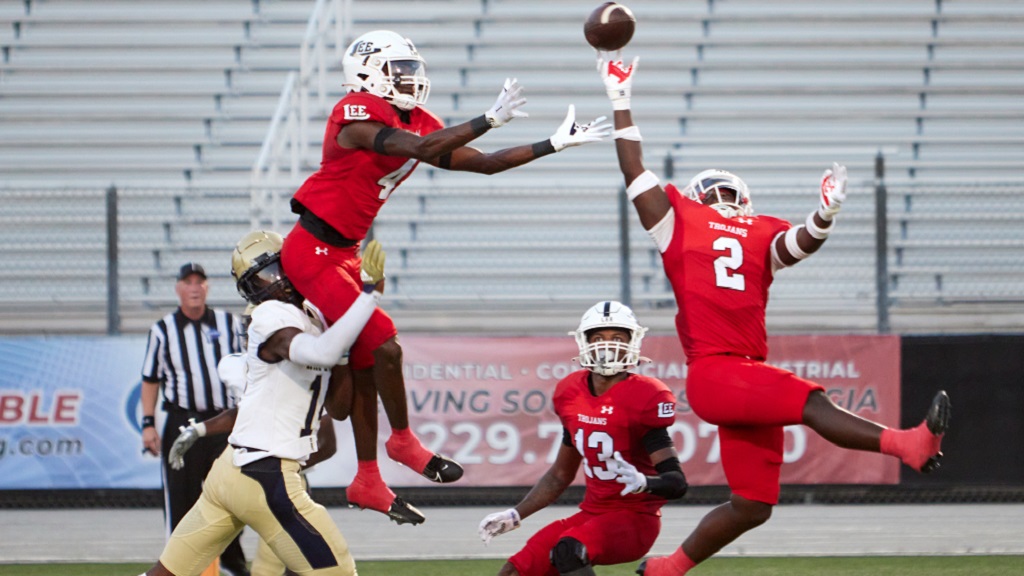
(180, 369)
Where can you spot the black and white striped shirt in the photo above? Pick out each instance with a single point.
(182, 355)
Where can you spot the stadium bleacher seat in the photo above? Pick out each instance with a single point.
(170, 102)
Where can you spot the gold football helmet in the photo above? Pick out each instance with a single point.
(256, 267)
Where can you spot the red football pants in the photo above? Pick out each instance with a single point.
(328, 277)
(610, 538)
(750, 401)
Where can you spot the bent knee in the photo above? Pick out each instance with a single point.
(389, 352)
(569, 555)
(753, 513)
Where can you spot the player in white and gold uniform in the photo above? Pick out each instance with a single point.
(256, 481)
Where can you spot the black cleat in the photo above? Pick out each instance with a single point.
(400, 511)
(404, 513)
(640, 569)
(937, 421)
(442, 470)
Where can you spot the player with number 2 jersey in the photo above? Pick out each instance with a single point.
(721, 259)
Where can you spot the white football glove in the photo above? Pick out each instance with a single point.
(618, 80)
(498, 523)
(189, 434)
(633, 481)
(372, 270)
(571, 133)
(833, 191)
(506, 107)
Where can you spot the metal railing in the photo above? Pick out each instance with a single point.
(901, 249)
(303, 95)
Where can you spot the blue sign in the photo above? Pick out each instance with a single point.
(70, 412)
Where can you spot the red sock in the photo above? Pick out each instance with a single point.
(914, 446)
(675, 565)
(368, 489)
(405, 447)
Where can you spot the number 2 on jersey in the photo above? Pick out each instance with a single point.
(726, 266)
(389, 182)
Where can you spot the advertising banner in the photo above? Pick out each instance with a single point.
(69, 410)
(486, 402)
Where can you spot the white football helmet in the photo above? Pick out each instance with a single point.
(609, 358)
(709, 182)
(386, 64)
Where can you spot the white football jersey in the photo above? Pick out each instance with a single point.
(279, 413)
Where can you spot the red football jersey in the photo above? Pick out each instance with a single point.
(353, 184)
(720, 270)
(615, 420)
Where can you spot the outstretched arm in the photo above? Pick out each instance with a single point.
(642, 186)
(394, 142)
(327, 349)
(550, 486)
(801, 241)
(570, 133)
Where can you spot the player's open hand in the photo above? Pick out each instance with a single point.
(499, 523)
(632, 480)
(373, 263)
(506, 107)
(618, 79)
(833, 191)
(188, 437)
(571, 133)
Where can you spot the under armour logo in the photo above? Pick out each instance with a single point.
(321, 250)
(746, 221)
(616, 69)
(607, 409)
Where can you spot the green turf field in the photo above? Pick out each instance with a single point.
(852, 566)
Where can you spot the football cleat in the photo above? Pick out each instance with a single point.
(937, 421)
(442, 470)
(400, 511)
(640, 569)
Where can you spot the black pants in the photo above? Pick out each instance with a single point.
(183, 487)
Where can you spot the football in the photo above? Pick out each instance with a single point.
(609, 27)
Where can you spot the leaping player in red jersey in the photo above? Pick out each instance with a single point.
(375, 137)
(720, 259)
(616, 424)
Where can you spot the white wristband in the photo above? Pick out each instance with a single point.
(628, 133)
(621, 104)
(643, 183)
(792, 246)
(816, 232)
(200, 428)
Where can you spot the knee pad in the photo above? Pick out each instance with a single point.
(569, 555)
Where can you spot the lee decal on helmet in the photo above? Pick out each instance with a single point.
(711, 183)
(256, 267)
(387, 64)
(607, 357)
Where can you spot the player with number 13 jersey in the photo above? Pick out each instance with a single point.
(615, 424)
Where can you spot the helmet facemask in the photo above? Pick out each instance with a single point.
(387, 65)
(609, 357)
(721, 190)
(256, 267)
(265, 281)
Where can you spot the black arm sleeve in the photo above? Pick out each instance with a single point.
(656, 439)
(670, 483)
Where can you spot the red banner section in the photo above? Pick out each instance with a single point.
(487, 403)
